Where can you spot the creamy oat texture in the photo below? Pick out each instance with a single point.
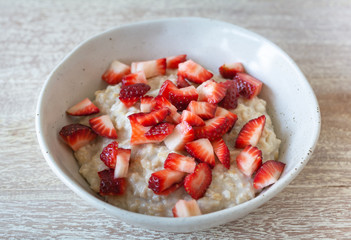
(228, 187)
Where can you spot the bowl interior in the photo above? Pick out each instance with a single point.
(290, 100)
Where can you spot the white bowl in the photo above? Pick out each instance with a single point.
(290, 99)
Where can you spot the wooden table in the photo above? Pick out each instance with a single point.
(36, 35)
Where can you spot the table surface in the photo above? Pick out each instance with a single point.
(36, 35)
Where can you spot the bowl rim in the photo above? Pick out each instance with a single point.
(138, 218)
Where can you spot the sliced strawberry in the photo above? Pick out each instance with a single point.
(193, 72)
(251, 132)
(129, 95)
(163, 179)
(171, 189)
(193, 119)
(138, 130)
(154, 117)
(231, 69)
(109, 154)
(247, 85)
(211, 92)
(201, 150)
(204, 110)
(111, 186)
(163, 102)
(230, 100)
(229, 115)
(159, 132)
(222, 152)
(196, 183)
(133, 78)
(147, 103)
(151, 68)
(175, 161)
(182, 82)
(83, 108)
(77, 135)
(268, 174)
(249, 160)
(182, 134)
(103, 126)
(122, 164)
(214, 128)
(173, 62)
(186, 209)
(115, 72)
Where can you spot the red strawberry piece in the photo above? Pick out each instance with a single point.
(163, 102)
(171, 189)
(182, 82)
(211, 92)
(111, 186)
(175, 161)
(231, 69)
(103, 126)
(129, 95)
(115, 72)
(204, 110)
(83, 108)
(138, 130)
(154, 117)
(151, 68)
(181, 134)
(268, 174)
(77, 135)
(163, 179)
(173, 62)
(214, 128)
(109, 154)
(122, 163)
(186, 209)
(229, 115)
(133, 78)
(159, 132)
(230, 100)
(249, 160)
(147, 103)
(193, 72)
(247, 85)
(222, 152)
(193, 119)
(202, 151)
(197, 183)
(251, 132)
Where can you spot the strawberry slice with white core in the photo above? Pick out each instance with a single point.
(211, 92)
(163, 179)
(214, 128)
(193, 72)
(268, 174)
(147, 103)
(247, 85)
(232, 117)
(222, 152)
(115, 72)
(133, 78)
(159, 132)
(129, 95)
(230, 100)
(175, 161)
(111, 186)
(182, 134)
(182, 82)
(154, 117)
(103, 126)
(249, 160)
(173, 61)
(202, 151)
(171, 189)
(204, 110)
(83, 108)
(138, 130)
(163, 102)
(109, 154)
(197, 183)
(77, 135)
(193, 119)
(151, 68)
(229, 70)
(122, 164)
(251, 132)
(186, 208)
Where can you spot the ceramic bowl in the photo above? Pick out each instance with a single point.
(290, 100)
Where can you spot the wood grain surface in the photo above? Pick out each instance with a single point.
(36, 35)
